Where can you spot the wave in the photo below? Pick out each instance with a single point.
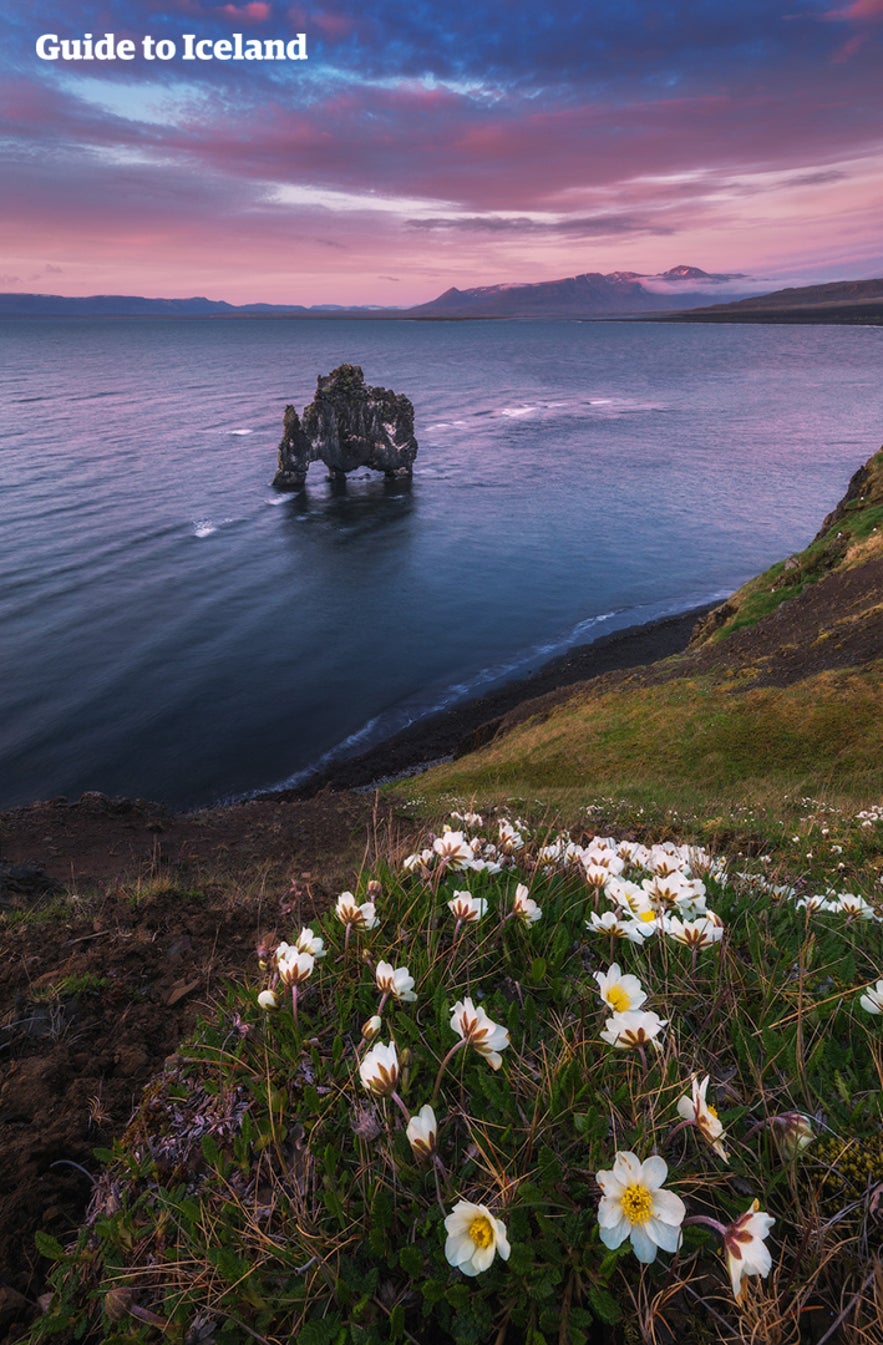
(204, 527)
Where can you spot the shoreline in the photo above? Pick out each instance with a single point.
(462, 728)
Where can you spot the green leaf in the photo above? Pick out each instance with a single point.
(605, 1304)
(538, 970)
(210, 1151)
(411, 1262)
(396, 1328)
(48, 1246)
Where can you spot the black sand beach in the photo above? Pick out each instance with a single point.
(466, 726)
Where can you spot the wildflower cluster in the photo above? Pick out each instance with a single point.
(450, 1103)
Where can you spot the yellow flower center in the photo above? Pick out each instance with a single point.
(480, 1231)
(711, 1110)
(618, 998)
(637, 1203)
(647, 916)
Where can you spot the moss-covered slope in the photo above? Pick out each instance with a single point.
(780, 691)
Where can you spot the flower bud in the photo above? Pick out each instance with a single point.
(267, 1000)
(372, 1027)
(794, 1132)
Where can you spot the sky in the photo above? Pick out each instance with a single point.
(422, 145)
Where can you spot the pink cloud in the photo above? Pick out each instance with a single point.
(859, 10)
(254, 12)
(329, 25)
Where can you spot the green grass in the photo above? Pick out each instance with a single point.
(849, 541)
(262, 1193)
(686, 745)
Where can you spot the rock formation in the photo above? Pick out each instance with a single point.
(347, 425)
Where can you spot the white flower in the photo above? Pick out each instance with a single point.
(418, 861)
(481, 1032)
(852, 904)
(632, 1028)
(701, 1114)
(421, 1132)
(349, 912)
(524, 907)
(474, 1238)
(396, 981)
(510, 838)
(268, 1001)
(308, 942)
(634, 1206)
(665, 891)
(467, 908)
(453, 849)
(379, 1069)
(293, 966)
(794, 1132)
(747, 1254)
(872, 1002)
(620, 992)
(635, 931)
(372, 1026)
(700, 933)
(470, 819)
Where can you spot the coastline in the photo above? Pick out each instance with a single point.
(464, 727)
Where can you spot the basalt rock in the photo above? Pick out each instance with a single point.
(347, 425)
(295, 453)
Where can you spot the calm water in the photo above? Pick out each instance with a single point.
(172, 628)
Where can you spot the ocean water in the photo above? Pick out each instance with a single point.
(173, 628)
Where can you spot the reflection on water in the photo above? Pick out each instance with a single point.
(167, 634)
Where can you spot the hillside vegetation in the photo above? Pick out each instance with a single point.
(778, 694)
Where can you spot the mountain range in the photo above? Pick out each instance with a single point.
(619, 292)
(682, 294)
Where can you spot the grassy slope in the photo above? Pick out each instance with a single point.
(700, 732)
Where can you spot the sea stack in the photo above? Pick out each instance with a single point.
(347, 425)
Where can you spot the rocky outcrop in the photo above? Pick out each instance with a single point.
(347, 425)
(295, 453)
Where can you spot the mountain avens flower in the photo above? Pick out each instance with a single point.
(421, 1132)
(872, 1000)
(293, 966)
(268, 1001)
(371, 1027)
(632, 1029)
(619, 991)
(466, 908)
(747, 1253)
(308, 942)
(453, 850)
(701, 933)
(396, 981)
(635, 1206)
(481, 1032)
(696, 1111)
(523, 907)
(349, 912)
(610, 923)
(379, 1069)
(474, 1238)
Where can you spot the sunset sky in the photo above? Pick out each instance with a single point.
(423, 145)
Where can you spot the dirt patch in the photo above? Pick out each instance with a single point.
(99, 987)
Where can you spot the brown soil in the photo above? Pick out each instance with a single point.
(98, 990)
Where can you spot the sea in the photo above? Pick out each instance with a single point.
(172, 628)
